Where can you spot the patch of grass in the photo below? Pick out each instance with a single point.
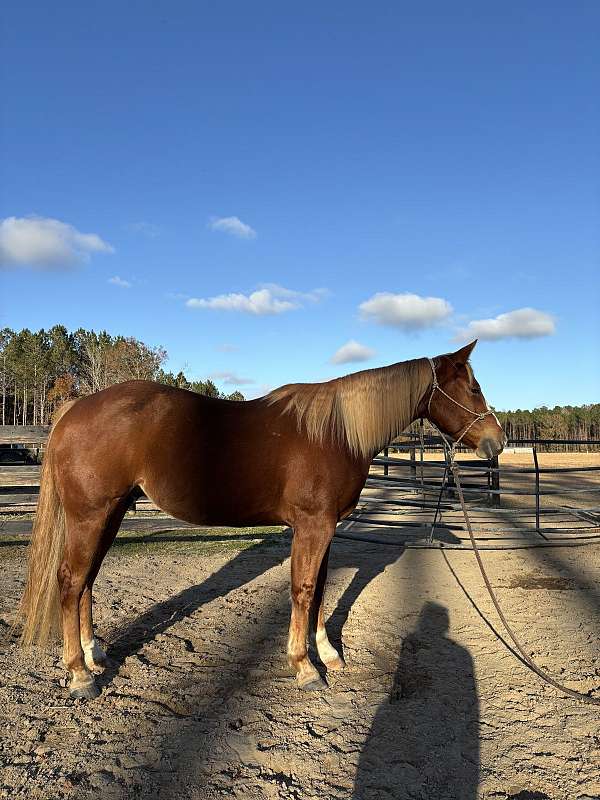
(195, 541)
(198, 541)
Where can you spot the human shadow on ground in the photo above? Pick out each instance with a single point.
(424, 741)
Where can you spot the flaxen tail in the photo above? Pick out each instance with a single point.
(40, 604)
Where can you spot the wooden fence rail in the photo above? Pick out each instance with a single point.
(26, 435)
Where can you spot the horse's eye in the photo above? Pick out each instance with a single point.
(476, 389)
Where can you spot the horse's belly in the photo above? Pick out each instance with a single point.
(204, 510)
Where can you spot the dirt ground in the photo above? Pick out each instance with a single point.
(198, 703)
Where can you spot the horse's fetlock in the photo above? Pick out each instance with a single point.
(296, 652)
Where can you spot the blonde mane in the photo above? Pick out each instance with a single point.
(365, 410)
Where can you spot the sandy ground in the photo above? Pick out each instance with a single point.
(198, 703)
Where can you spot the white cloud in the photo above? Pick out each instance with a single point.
(523, 323)
(231, 379)
(232, 225)
(120, 282)
(260, 303)
(352, 351)
(44, 242)
(225, 347)
(407, 311)
(270, 299)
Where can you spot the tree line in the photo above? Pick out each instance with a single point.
(561, 422)
(40, 370)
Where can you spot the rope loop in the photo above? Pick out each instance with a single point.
(452, 466)
(525, 657)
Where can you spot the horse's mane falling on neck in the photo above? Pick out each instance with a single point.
(365, 410)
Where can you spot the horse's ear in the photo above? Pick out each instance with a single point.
(462, 356)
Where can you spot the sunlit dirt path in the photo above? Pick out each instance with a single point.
(198, 701)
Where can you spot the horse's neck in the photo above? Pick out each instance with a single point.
(379, 404)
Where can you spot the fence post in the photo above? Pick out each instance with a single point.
(495, 475)
(537, 489)
(421, 456)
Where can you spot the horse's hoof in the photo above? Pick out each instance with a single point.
(88, 692)
(316, 685)
(336, 664)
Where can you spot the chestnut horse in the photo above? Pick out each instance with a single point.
(302, 456)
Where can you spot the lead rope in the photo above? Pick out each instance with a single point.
(529, 662)
(526, 657)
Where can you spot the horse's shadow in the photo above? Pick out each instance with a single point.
(130, 637)
(247, 565)
(368, 567)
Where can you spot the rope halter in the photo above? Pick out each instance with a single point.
(477, 416)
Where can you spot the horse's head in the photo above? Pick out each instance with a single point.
(456, 405)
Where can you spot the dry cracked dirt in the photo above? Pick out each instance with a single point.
(198, 702)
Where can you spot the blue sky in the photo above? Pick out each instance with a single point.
(381, 174)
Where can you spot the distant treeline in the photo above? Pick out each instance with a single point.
(560, 422)
(40, 370)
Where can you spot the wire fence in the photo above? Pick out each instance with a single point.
(558, 502)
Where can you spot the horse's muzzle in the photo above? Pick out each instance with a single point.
(489, 448)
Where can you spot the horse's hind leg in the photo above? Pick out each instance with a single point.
(327, 652)
(87, 541)
(80, 546)
(310, 542)
(94, 655)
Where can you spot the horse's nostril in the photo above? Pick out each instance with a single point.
(488, 448)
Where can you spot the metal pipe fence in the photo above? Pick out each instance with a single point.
(498, 486)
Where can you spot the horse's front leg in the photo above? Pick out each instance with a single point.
(327, 652)
(311, 540)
